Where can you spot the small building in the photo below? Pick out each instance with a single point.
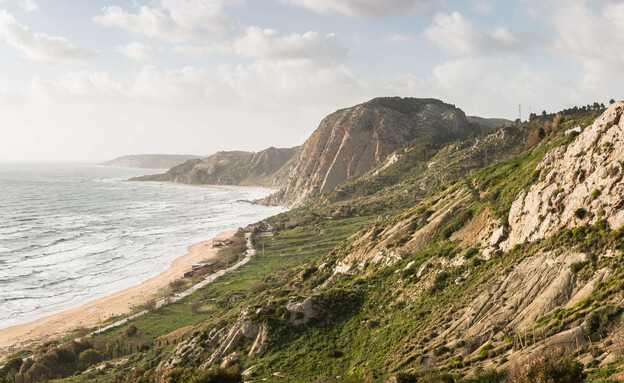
(235, 297)
(207, 264)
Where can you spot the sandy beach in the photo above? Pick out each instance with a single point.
(93, 313)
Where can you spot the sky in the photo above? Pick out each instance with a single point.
(92, 80)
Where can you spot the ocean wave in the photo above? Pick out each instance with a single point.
(100, 235)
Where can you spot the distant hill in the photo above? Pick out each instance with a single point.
(231, 168)
(351, 141)
(149, 161)
(489, 123)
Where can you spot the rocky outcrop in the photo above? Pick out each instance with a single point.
(149, 161)
(513, 303)
(231, 168)
(351, 141)
(579, 183)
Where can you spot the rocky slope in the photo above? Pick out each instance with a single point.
(230, 168)
(351, 141)
(149, 161)
(578, 185)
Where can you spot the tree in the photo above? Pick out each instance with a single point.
(611, 101)
(195, 305)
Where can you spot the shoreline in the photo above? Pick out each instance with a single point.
(94, 313)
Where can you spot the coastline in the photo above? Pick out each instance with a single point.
(94, 313)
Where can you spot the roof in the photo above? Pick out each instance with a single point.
(208, 262)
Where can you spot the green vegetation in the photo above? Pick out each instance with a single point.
(401, 235)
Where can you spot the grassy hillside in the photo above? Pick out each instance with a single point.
(393, 276)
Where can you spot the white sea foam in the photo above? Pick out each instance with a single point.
(71, 234)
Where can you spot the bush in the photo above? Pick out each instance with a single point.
(595, 193)
(484, 352)
(90, 357)
(439, 282)
(130, 331)
(257, 287)
(488, 376)
(549, 368)
(150, 305)
(580, 213)
(177, 285)
(404, 377)
(194, 305)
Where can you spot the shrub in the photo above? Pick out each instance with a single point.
(549, 368)
(602, 224)
(13, 365)
(595, 193)
(484, 352)
(580, 213)
(130, 331)
(439, 282)
(257, 287)
(475, 262)
(194, 305)
(471, 252)
(90, 357)
(488, 376)
(404, 377)
(177, 285)
(150, 305)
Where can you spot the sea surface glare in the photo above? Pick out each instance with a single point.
(70, 234)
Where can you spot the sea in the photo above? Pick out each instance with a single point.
(71, 233)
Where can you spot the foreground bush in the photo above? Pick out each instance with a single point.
(549, 368)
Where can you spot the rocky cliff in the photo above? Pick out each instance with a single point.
(230, 168)
(150, 161)
(578, 184)
(351, 141)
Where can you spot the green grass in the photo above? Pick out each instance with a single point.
(287, 250)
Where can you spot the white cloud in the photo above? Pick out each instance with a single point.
(456, 34)
(138, 51)
(275, 83)
(364, 8)
(176, 21)
(38, 46)
(29, 5)
(482, 6)
(268, 44)
(397, 38)
(593, 37)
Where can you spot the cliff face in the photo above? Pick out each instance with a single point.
(149, 161)
(578, 185)
(230, 168)
(351, 141)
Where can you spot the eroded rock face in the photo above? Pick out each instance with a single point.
(579, 184)
(351, 141)
(533, 288)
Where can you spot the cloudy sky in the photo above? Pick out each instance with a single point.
(91, 80)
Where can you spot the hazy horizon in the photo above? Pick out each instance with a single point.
(88, 82)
